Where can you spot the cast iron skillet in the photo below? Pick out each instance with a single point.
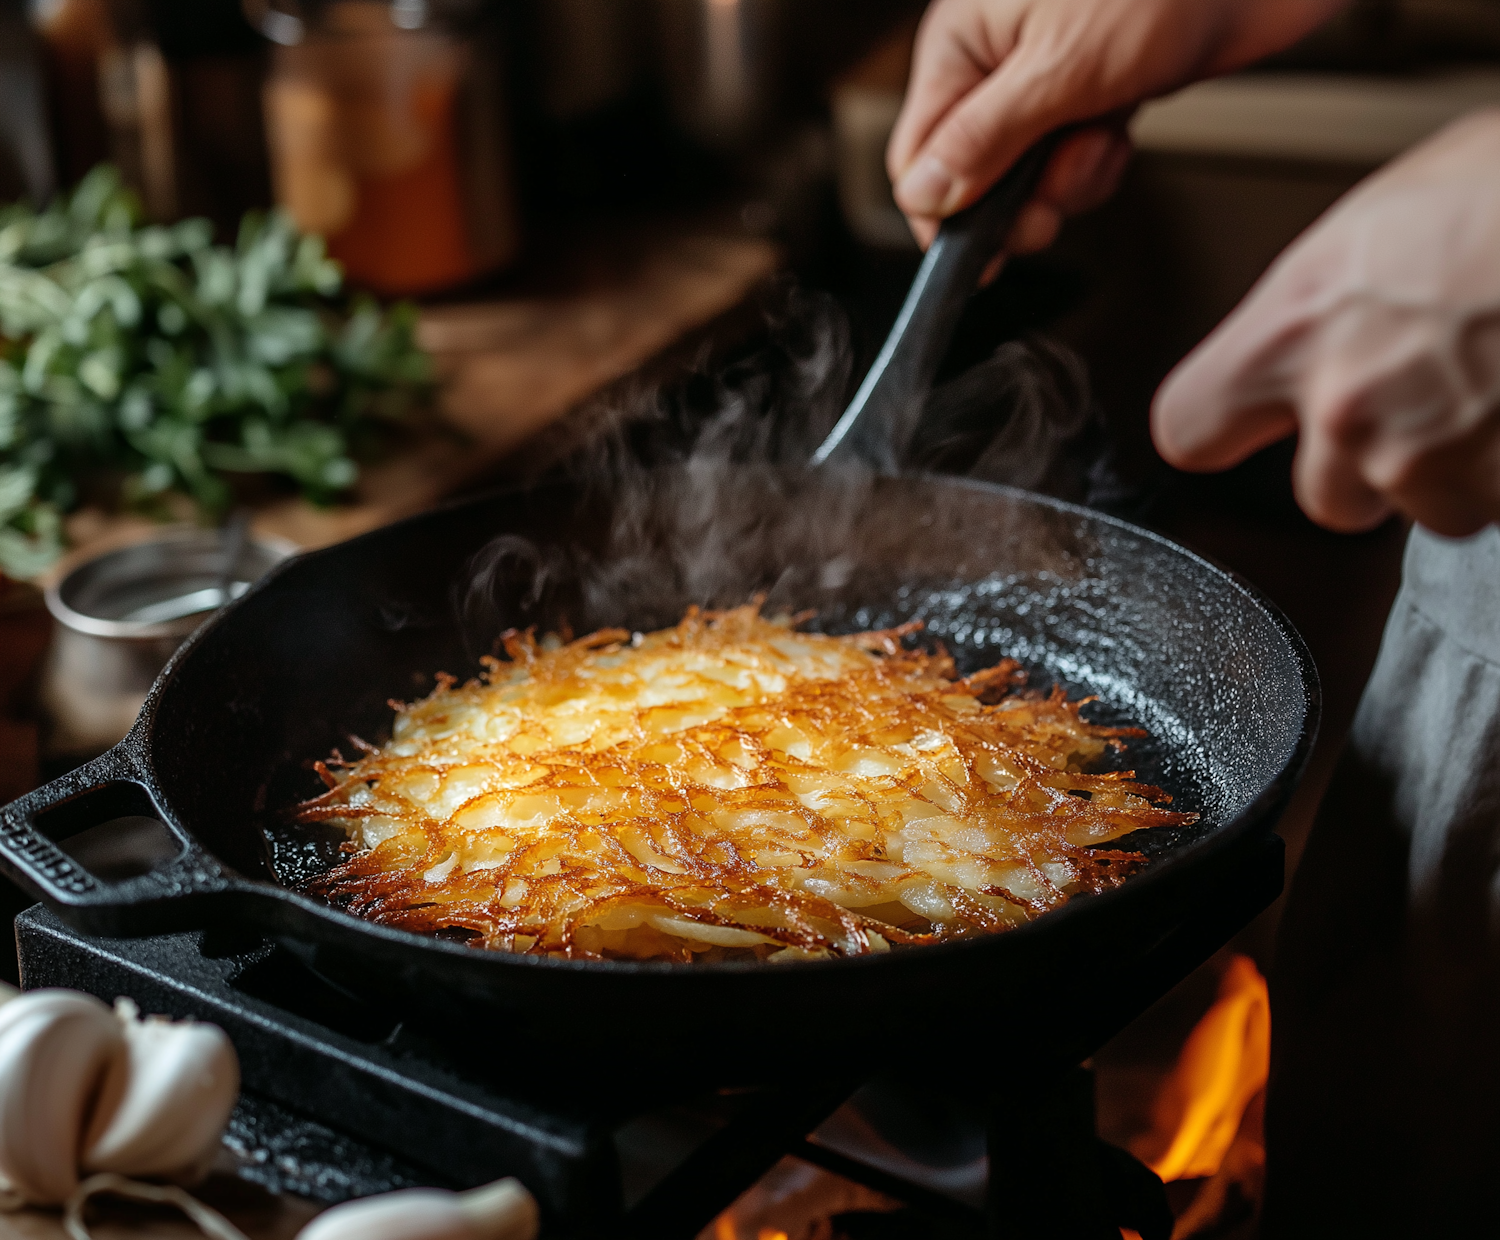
(314, 651)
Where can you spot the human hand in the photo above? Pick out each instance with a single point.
(1376, 338)
(990, 77)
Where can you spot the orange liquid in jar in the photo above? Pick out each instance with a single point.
(365, 149)
(408, 233)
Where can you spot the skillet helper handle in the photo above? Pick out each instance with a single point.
(878, 425)
(156, 899)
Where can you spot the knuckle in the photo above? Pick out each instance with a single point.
(1340, 413)
(1396, 470)
(1314, 501)
(963, 142)
(1321, 482)
(1335, 496)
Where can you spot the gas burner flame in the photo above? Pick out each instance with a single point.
(1221, 1068)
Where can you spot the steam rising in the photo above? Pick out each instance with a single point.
(707, 499)
(1024, 416)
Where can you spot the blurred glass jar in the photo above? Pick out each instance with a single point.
(167, 90)
(110, 95)
(386, 128)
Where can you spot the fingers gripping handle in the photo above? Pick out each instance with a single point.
(147, 902)
(877, 427)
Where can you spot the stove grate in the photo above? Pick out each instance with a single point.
(341, 1100)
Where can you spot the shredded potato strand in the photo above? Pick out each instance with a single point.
(729, 788)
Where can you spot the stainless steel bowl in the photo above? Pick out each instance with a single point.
(119, 618)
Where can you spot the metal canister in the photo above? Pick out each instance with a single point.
(724, 63)
(120, 616)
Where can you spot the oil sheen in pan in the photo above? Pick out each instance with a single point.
(977, 621)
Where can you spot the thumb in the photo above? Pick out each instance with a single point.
(983, 134)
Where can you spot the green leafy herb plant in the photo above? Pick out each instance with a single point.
(144, 362)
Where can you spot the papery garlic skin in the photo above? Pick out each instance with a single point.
(164, 1103)
(55, 1048)
(500, 1211)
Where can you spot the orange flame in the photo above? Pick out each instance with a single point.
(724, 1229)
(1221, 1068)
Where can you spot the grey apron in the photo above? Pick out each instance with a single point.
(1383, 1116)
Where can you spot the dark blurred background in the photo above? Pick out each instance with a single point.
(600, 204)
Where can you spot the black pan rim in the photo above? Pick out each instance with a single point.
(1228, 835)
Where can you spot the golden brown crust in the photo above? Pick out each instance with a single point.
(728, 788)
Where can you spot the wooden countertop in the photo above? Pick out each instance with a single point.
(282, 1222)
(513, 364)
(258, 1214)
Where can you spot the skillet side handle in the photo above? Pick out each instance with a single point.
(160, 898)
(877, 427)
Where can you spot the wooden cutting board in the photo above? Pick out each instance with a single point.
(512, 365)
(258, 1214)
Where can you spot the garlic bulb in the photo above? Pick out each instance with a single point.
(55, 1047)
(86, 1089)
(165, 1101)
(503, 1210)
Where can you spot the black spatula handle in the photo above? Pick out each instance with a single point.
(877, 427)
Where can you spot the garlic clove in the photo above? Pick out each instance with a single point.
(411, 1214)
(55, 1048)
(500, 1211)
(503, 1210)
(164, 1103)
